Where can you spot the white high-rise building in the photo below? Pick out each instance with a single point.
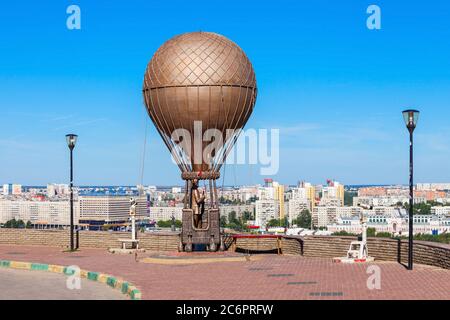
(16, 189)
(440, 211)
(12, 189)
(271, 202)
(266, 193)
(266, 210)
(110, 209)
(296, 206)
(38, 212)
(176, 190)
(165, 213)
(51, 190)
(433, 186)
(305, 192)
(57, 189)
(225, 210)
(323, 216)
(333, 191)
(5, 189)
(397, 225)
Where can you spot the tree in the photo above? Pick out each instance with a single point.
(434, 203)
(29, 225)
(13, 223)
(419, 208)
(247, 215)
(303, 220)
(400, 204)
(223, 222)
(20, 224)
(232, 217)
(168, 223)
(234, 226)
(443, 237)
(343, 233)
(384, 235)
(371, 232)
(235, 223)
(273, 223)
(10, 223)
(277, 223)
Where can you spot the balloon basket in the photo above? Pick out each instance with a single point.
(208, 234)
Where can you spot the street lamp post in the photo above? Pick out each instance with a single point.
(411, 117)
(71, 140)
(173, 223)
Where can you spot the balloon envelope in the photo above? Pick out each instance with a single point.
(199, 79)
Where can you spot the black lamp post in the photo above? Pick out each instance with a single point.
(411, 117)
(173, 223)
(71, 140)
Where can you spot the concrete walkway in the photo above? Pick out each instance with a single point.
(41, 285)
(269, 277)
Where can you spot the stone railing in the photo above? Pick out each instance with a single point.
(429, 253)
(158, 241)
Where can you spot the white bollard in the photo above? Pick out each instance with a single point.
(133, 228)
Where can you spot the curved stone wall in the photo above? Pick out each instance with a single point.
(384, 249)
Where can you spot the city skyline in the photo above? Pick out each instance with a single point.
(270, 205)
(336, 91)
(225, 186)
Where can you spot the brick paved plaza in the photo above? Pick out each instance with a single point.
(232, 276)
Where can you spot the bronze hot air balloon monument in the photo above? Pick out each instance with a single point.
(197, 83)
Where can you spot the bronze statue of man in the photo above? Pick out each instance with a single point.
(197, 204)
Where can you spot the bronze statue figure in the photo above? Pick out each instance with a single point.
(197, 203)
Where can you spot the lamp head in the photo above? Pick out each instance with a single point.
(71, 140)
(411, 118)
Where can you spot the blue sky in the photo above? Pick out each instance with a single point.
(334, 88)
